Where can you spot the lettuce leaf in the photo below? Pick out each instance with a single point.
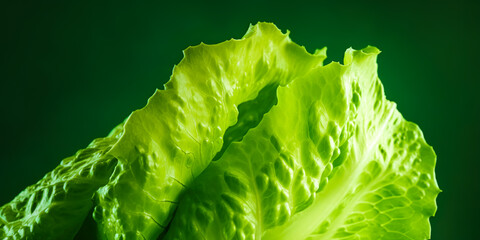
(167, 144)
(251, 139)
(56, 206)
(333, 160)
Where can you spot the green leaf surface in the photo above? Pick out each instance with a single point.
(173, 139)
(56, 206)
(333, 160)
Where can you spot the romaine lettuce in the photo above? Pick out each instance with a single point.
(332, 160)
(251, 139)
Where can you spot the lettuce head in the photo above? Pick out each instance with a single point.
(251, 139)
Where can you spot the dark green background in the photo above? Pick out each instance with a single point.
(70, 71)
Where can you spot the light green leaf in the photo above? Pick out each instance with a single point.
(56, 206)
(333, 160)
(167, 144)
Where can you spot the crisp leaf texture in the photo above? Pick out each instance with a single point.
(333, 160)
(173, 139)
(56, 206)
(251, 139)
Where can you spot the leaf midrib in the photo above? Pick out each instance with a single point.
(304, 223)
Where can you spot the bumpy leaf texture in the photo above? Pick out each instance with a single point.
(251, 139)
